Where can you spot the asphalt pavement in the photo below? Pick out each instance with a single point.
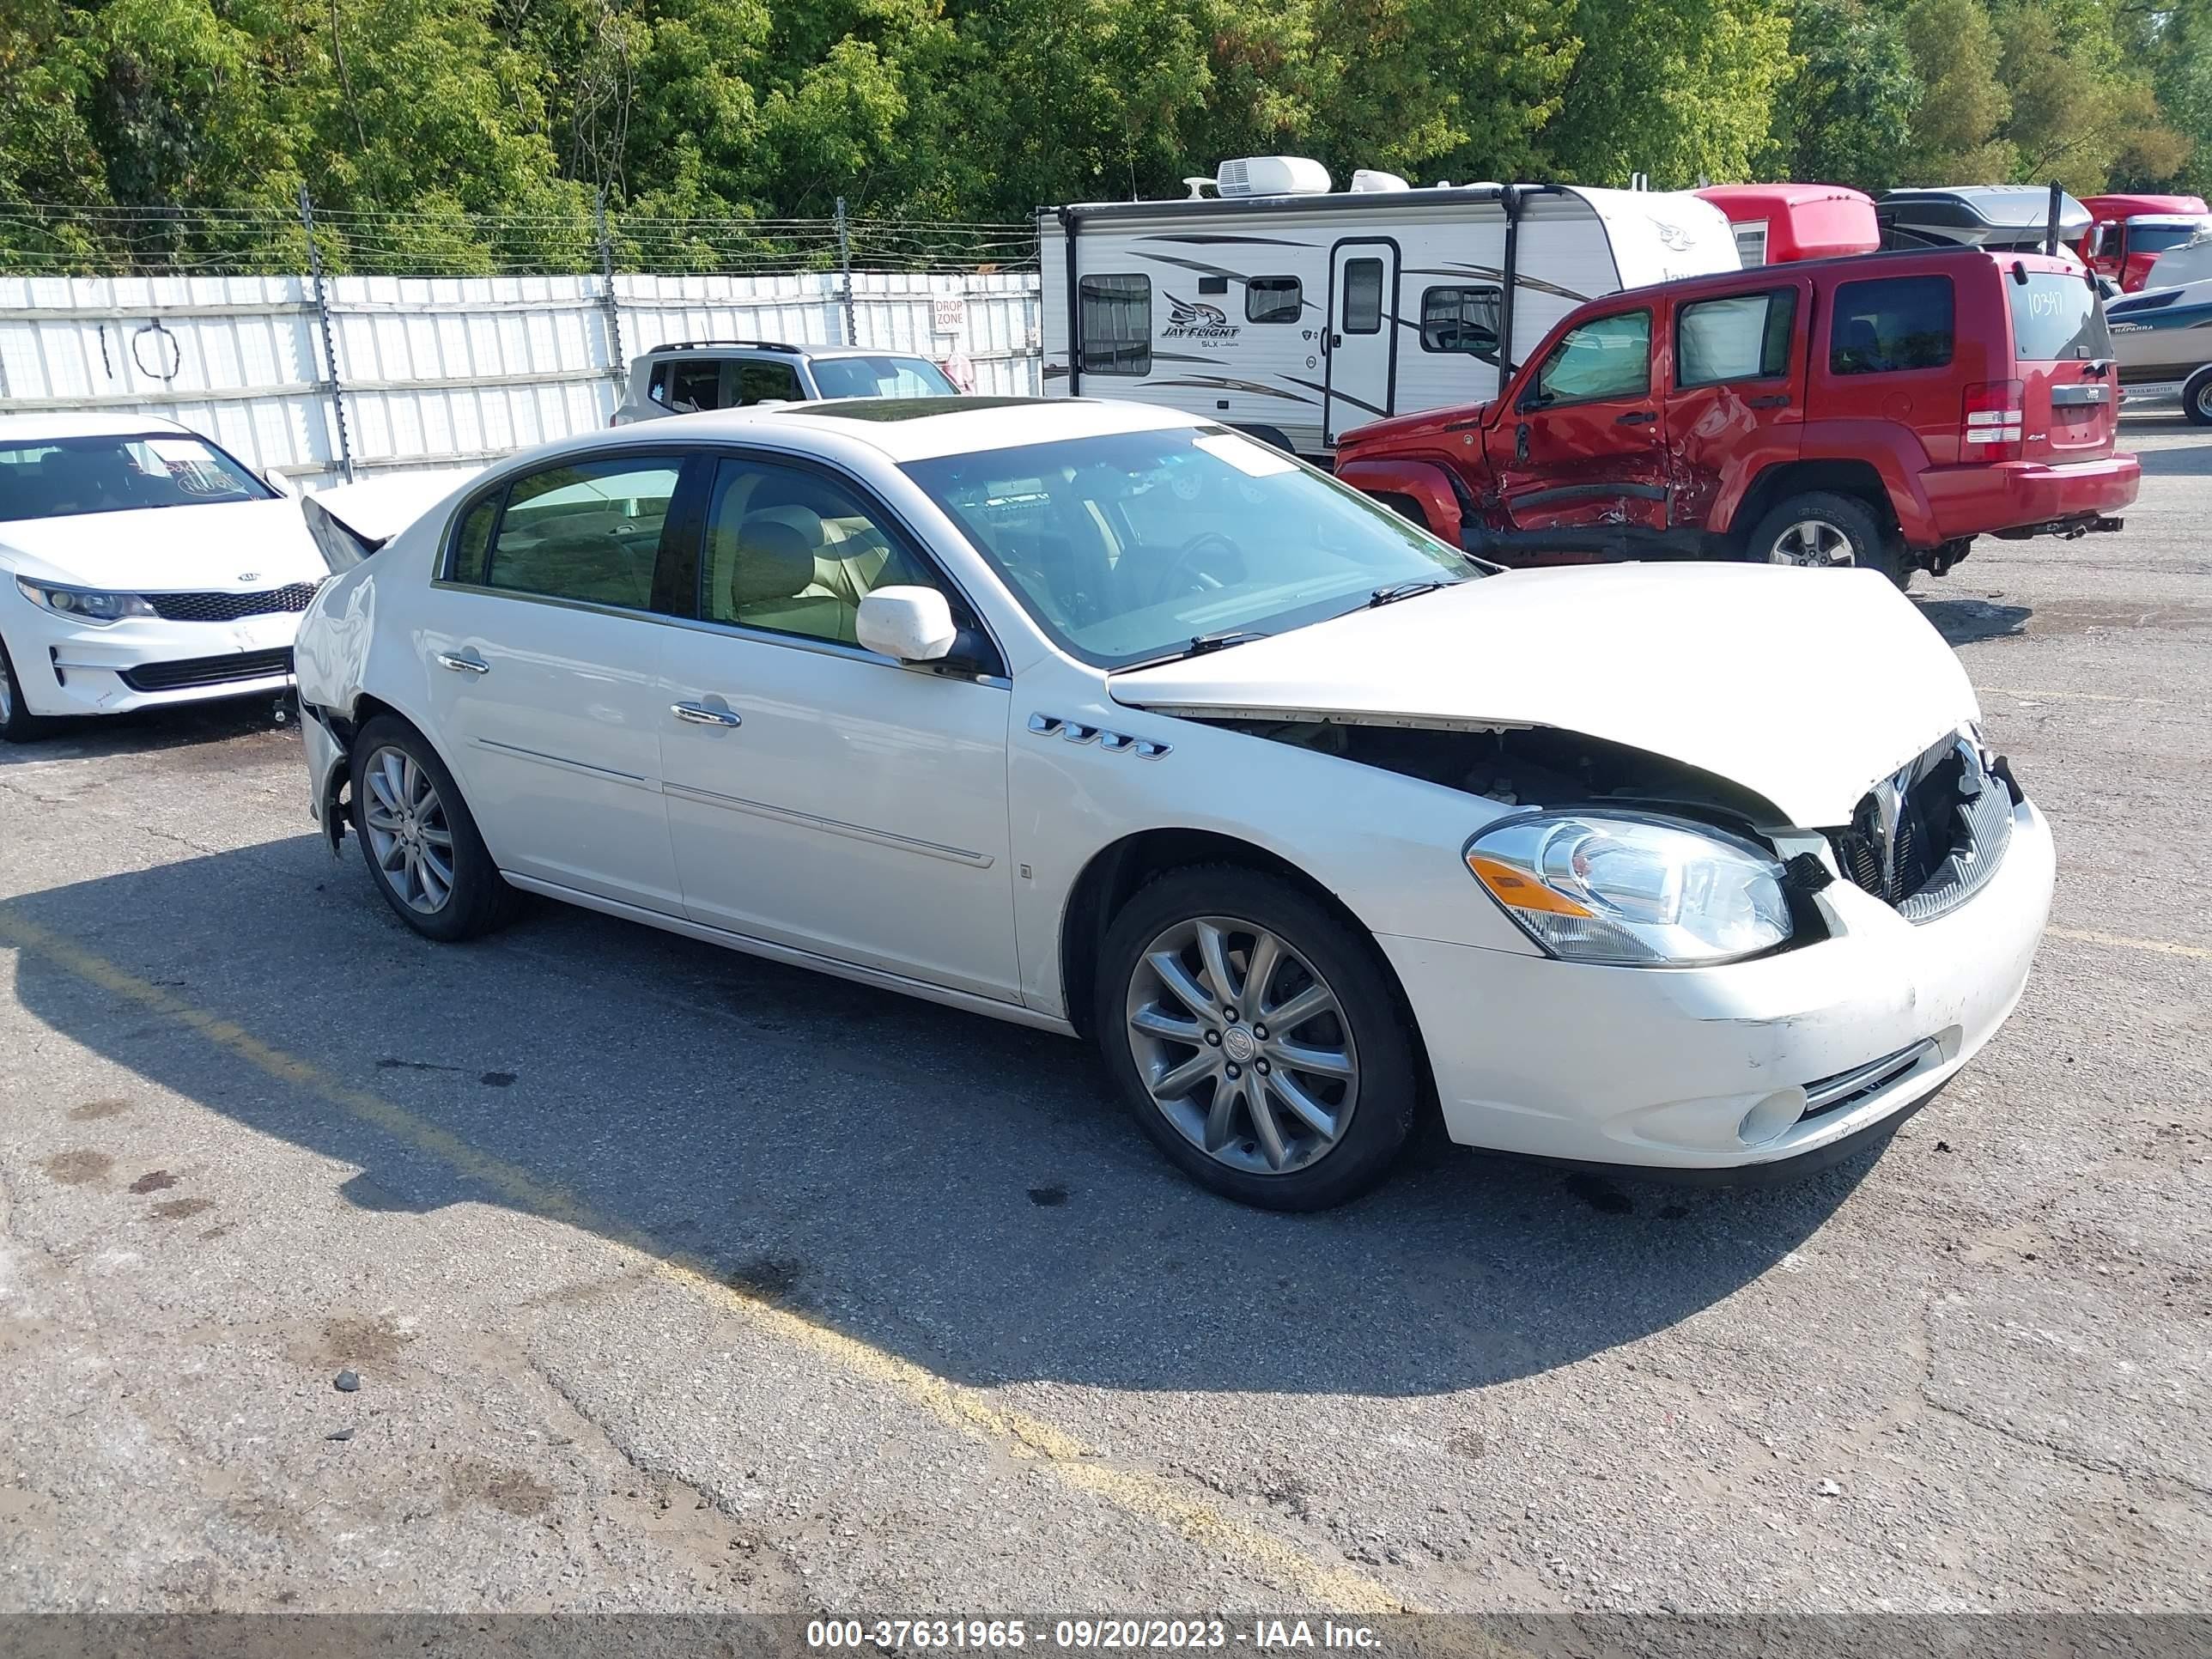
(671, 1279)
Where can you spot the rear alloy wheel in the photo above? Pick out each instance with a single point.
(17, 723)
(1256, 1038)
(419, 843)
(2196, 398)
(1823, 530)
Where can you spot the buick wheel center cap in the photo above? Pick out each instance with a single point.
(1237, 1042)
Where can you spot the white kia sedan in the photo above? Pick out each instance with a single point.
(140, 565)
(1114, 721)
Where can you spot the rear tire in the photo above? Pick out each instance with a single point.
(423, 849)
(1338, 1085)
(1822, 528)
(2196, 398)
(17, 723)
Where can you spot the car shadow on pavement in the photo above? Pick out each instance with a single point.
(1963, 622)
(947, 1188)
(149, 731)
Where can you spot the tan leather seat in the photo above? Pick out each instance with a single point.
(773, 581)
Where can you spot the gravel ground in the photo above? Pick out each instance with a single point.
(674, 1280)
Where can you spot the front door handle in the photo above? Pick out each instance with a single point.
(1772, 400)
(698, 713)
(464, 662)
(1636, 417)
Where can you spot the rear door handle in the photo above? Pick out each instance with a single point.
(464, 662)
(698, 713)
(1636, 417)
(1772, 400)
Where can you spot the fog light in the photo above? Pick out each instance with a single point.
(1770, 1117)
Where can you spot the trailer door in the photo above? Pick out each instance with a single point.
(1362, 339)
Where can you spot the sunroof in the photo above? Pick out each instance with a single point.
(907, 409)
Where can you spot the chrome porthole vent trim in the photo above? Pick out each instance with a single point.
(1119, 743)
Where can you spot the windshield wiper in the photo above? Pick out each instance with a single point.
(1397, 591)
(1220, 641)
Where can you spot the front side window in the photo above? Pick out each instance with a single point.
(760, 382)
(791, 550)
(1745, 336)
(881, 377)
(1363, 296)
(589, 530)
(69, 477)
(1461, 320)
(1604, 357)
(1894, 324)
(687, 386)
(1118, 324)
(1125, 547)
(1273, 299)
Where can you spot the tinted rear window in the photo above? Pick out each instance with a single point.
(2056, 319)
(1891, 324)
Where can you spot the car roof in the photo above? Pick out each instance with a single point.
(18, 428)
(776, 348)
(922, 429)
(1853, 267)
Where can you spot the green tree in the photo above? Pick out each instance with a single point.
(1955, 138)
(1847, 111)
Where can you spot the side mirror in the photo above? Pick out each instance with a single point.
(912, 624)
(282, 485)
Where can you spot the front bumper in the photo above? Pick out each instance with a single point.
(1709, 1068)
(1987, 500)
(65, 667)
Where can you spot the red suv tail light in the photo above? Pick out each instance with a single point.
(1995, 420)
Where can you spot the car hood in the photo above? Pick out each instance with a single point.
(1804, 686)
(220, 547)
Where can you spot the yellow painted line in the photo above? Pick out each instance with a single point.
(2071, 696)
(2161, 947)
(1076, 1465)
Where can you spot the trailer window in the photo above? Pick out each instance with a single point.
(1273, 299)
(1894, 324)
(1363, 296)
(1118, 324)
(1745, 336)
(1463, 319)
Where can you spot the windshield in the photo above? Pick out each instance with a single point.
(66, 478)
(2156, 238)
(881, 377)
(1128, 547)
(2056, 318)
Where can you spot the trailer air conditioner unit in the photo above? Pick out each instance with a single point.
(1272, 175)
(1365, 180)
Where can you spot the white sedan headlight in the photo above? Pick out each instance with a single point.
(83, 603)
(1598, 886)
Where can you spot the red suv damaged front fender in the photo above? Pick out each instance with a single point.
(1426, 485)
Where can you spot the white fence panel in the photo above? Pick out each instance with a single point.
(432, 371)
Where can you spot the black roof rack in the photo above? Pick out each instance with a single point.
(755, 345)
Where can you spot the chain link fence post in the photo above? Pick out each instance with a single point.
(618, 363)
(330, 340)
(845, 264)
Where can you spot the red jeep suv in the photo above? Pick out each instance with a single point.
(1881, 410)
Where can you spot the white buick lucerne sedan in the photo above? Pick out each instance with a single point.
(140, 565)
(1114, 721)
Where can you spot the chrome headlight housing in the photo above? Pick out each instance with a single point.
(1630, 890)
(83, 603)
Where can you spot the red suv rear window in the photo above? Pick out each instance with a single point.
(2056, 317)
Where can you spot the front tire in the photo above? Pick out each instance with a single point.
(1257, 1038)
(2196, 398)
(421, 845)
(17, 723)
(1824, 530)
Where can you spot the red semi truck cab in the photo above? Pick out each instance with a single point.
(2128, 233)
(1884, 409)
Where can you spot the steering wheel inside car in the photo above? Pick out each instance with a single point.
(1181, 576)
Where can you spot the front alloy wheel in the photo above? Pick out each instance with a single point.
(1255, 1033)
(1242, 1045)
(403, 819)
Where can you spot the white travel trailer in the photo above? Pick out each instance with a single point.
(1297, 312)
